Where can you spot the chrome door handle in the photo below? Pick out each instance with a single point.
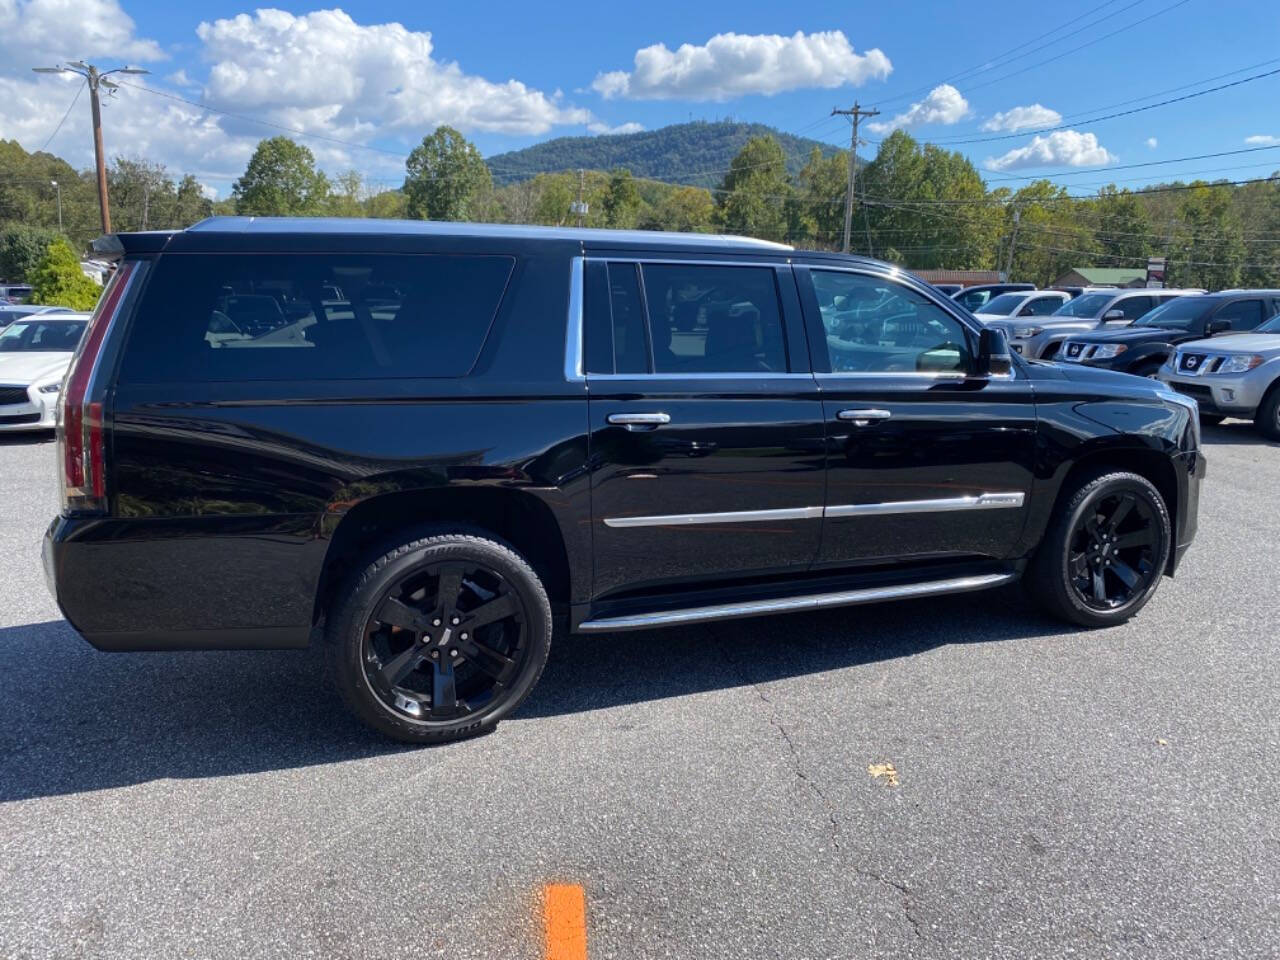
(633, 421)
(862, 418)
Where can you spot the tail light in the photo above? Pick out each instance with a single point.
(81, 443)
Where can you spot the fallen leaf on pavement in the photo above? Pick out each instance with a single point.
(886, 771)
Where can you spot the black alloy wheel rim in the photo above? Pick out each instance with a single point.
(445, 641)
(1112, 553)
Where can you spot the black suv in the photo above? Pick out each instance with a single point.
(1146, 346)
(430, 442)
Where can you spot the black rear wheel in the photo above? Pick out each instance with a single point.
(440, 638)
(1104, 552)
(1267, 419)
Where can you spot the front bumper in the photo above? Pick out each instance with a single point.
(1192, 467)
(1231, 396)
(38, 413)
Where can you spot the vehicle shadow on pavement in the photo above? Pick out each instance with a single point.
(599, 671)
(73, 719)
(1234, 433)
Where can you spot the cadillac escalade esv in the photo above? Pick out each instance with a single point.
(428, 443)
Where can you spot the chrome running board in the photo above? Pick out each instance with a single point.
(815, 601)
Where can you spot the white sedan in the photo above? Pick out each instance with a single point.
(34, 355)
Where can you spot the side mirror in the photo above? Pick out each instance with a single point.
(993, 354)
(1111, 316)
(1217, 326)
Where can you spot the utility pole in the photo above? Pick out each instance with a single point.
(54, 184)
(580, 208)
(95, 78)
(856, 114)
(1013, 241)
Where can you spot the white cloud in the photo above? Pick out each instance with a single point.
(1018, 119)
(1152, 143)
(323, 71)
(1062, 148)
(734, 65)
(1262, 140)
(45, 32)
(208, 192)
(944, 104)
(604, 128)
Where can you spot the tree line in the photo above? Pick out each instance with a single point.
(917, 205)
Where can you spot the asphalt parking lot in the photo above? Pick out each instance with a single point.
(1058, 793)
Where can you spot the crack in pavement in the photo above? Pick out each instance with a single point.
(797, 764)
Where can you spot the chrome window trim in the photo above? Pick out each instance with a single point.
(746, 375)
(690, 261)
(755, 608)
(573, 348)
(982, 501)
(734, 516)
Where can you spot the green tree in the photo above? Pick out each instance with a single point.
(345, 196)
(1208, 243)
(445, 177)
(621, 200)
(21, 249)
(1121, 227)
(58, 280)
(281, 181)
(755, 191)
(1052, 237)
(190, 205)
(820, 193)
(388, 204)
(684, 209)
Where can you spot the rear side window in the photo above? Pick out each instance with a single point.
(713, 319)
(313, 316)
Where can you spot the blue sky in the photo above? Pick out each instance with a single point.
(368, 83)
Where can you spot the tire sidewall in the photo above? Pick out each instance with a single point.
(1092, 492)
(345, 632)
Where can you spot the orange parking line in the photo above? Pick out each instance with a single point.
(565, 916)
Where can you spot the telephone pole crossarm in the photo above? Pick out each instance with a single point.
(855, 115)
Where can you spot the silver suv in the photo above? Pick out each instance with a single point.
(1041, 338)
(1232, 376)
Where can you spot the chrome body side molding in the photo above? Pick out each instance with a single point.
(817, 601)
(983, 501)
(736, 516)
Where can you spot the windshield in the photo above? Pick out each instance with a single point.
(1180, 313)
(1271, 326)
(1085, 305)
(41, 336)
(1004, 304)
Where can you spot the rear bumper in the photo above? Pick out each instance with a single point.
(121, 590)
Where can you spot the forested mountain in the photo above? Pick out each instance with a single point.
(695, 153)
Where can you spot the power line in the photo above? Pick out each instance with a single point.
(70, 107)
(991, 62)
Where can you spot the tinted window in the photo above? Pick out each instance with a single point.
(973, 299)
(1134, 307)
(1004, 304)
(877, 326)
(1242, 314)
(34, 336)
(1085, 305)
(1180, 313)
(630, 351)
(1041, 306)
(705, 319)
(323, 316)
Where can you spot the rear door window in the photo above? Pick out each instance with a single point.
(313, 316)
(713, 319)
(1134, 307)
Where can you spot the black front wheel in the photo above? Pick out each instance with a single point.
(1104, 552)
(439, 638)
